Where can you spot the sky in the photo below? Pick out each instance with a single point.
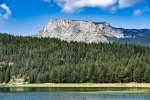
(28, 17)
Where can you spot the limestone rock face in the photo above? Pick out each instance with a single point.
(82, 31)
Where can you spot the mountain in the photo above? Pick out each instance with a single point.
(88, 31)
(139, 40)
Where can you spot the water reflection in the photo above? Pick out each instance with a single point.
(71, 89)
(17, 89)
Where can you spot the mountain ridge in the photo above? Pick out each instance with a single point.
(87, 31)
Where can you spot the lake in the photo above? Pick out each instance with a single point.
(71, 93)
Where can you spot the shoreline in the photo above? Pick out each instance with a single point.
(142, 85)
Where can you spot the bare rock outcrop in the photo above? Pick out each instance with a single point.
(83, 31)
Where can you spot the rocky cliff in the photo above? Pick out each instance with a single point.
(86, 31)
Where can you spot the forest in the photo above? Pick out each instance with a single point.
(41, 60)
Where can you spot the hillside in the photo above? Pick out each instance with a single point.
(40, 60)
(140, 40)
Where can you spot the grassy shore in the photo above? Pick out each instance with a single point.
(79, 85)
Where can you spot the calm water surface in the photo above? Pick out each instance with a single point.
(8, 93)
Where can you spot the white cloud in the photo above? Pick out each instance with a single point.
(8, 12)
(128, 3)
(70, 6)
(137, 12)
(1, 21)
(47, 1)
(113, 9)
(140, 11)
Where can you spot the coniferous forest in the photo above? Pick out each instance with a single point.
(41, 60)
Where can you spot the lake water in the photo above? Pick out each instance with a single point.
(47, 93)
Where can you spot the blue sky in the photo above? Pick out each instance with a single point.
(28, 17)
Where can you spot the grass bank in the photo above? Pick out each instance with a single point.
(79, 85)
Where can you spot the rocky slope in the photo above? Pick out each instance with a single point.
(87, 31)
